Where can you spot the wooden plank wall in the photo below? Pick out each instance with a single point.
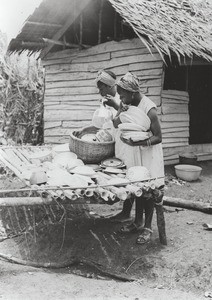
(174, 122)
(71, 96)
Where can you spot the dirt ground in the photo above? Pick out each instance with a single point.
(94, 254)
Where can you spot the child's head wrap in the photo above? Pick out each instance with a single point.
(105, 78)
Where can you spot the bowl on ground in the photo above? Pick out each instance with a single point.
(188, 172)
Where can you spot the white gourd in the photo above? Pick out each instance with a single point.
(84, 170)
(60, 148)
(89, 137)
(38, 177)
(62, 159)
(138, 173)
(74, 163)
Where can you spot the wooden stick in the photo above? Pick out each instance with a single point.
(161, 224)
(11, 220)
(115, 26)
(56, 265)
(19, 201)
(81, 28)
(100, 22)
(53, 188)
(27, 217)
(194, 205)
(9, 165)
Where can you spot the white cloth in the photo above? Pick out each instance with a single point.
(137, 116)
(102, 115)
(149, 157)
(109, 125)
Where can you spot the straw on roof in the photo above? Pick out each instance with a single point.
(181, 26)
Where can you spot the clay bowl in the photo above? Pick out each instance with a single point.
(188, 172)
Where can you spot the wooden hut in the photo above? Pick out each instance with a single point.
(167, 44)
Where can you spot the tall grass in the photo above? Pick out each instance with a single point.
(21, 98)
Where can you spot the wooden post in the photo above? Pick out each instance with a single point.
(161, 224)
(115, 26)
(64, 42)
(158, 199)
(81, 28)
(100, 22)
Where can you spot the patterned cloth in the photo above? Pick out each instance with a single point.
(105, 78)
(129, 82)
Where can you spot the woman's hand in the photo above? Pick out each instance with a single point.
(123, 107)
(84, 130)
(126, 141)
(130, 142)
(110, 101)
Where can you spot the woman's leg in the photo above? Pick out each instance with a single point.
(139, 208)
(127, 206)
(126, 210)
(146, 232)
(149, 209)
(138, 222)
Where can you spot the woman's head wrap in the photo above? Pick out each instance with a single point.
(129, 82)
(105, 78)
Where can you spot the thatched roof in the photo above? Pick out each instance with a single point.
(182, 27)
(45, 22)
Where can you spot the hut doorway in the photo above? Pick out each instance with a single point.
(200, 104)
(197, 81)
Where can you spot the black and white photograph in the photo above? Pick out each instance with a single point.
(105, 149)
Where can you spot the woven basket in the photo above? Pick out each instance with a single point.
(90, 152)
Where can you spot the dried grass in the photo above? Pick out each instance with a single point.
(21, 98)
(183, 27)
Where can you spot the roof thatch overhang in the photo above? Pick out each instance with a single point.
(182, 27)
(47, 25)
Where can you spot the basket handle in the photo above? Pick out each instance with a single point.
(75, 133)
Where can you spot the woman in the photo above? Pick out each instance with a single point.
(147, 153)
(106, 83)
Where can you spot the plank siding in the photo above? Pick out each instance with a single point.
(64, 115)
(174, 121)
(65, 98)
(75, 66)
(66, 76)
(71, 95)
(152, 82)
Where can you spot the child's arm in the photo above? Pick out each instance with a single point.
(117, 120)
